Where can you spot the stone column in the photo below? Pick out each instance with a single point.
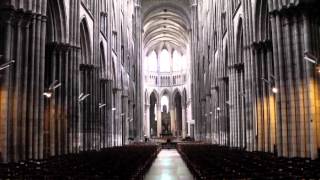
(139, 82)
(124, 115)
(172, 111)
(311, 147)
(5, 92)
(184, 121)
(159, 126)
(147, 121)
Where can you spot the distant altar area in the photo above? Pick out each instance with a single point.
(166, 123)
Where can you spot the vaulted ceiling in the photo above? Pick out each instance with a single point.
(165, 24)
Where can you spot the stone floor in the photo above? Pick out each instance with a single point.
(169, 166)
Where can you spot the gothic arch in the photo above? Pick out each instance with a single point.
(156, 94)
(174, 93)
(102, 62)
(165, 91)
(56, 28)
(113, 74)
(262, 21)
(184, 97)
(177, 107)
(239, 40)
(85, 42)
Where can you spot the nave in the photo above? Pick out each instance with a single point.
(95, 89)
(182, 161)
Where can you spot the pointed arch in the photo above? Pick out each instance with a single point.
(262, 22)
(85, 42)
(56, 23)
(113, 74)
(174, 93)
(165, 60)
(239, 40)
(184, 97)
(102, 62)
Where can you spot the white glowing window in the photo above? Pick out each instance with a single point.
(177, 61)
(165, 61)
(152, 61)
(164, 102)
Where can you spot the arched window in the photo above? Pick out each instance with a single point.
(152, 62)
(164, 102)
(165, 61)
(177, 61)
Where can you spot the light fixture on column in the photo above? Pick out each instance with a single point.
(312, 59)
(53, 86)
(218, 109)
(47, 94)
(83, 97)
(6, 65)
(210, 113)
(274, 89)
(114, 109)
(101, 105)
(122, 114)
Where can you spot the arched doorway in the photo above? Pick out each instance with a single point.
(178, 114)
(152, 116)
(56, 88)
(86, 90)
(165, 115)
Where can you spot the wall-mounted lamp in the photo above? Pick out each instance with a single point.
(113, 109)
(47, 94)
(310, 58)
(101, 105)
(218, 109)
(210, 113)
(6, 65)
(83, 97)
(53, 86)
(275, 90)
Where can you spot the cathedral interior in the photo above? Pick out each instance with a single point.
(159, 89)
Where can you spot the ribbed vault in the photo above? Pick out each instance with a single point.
(165, 24)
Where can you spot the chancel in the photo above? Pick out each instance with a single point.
(159, 89)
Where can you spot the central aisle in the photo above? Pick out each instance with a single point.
(169, 166)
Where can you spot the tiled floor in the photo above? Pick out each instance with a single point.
(169, 166)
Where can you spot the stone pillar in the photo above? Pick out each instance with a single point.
(4, 93)
(184, 121)
(173, 121)
(311, 147)
(139, 75)
(124, 120)
(147, 121)
(159, 125)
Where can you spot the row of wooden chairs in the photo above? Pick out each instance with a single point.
(125, 162)
(216, 162)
